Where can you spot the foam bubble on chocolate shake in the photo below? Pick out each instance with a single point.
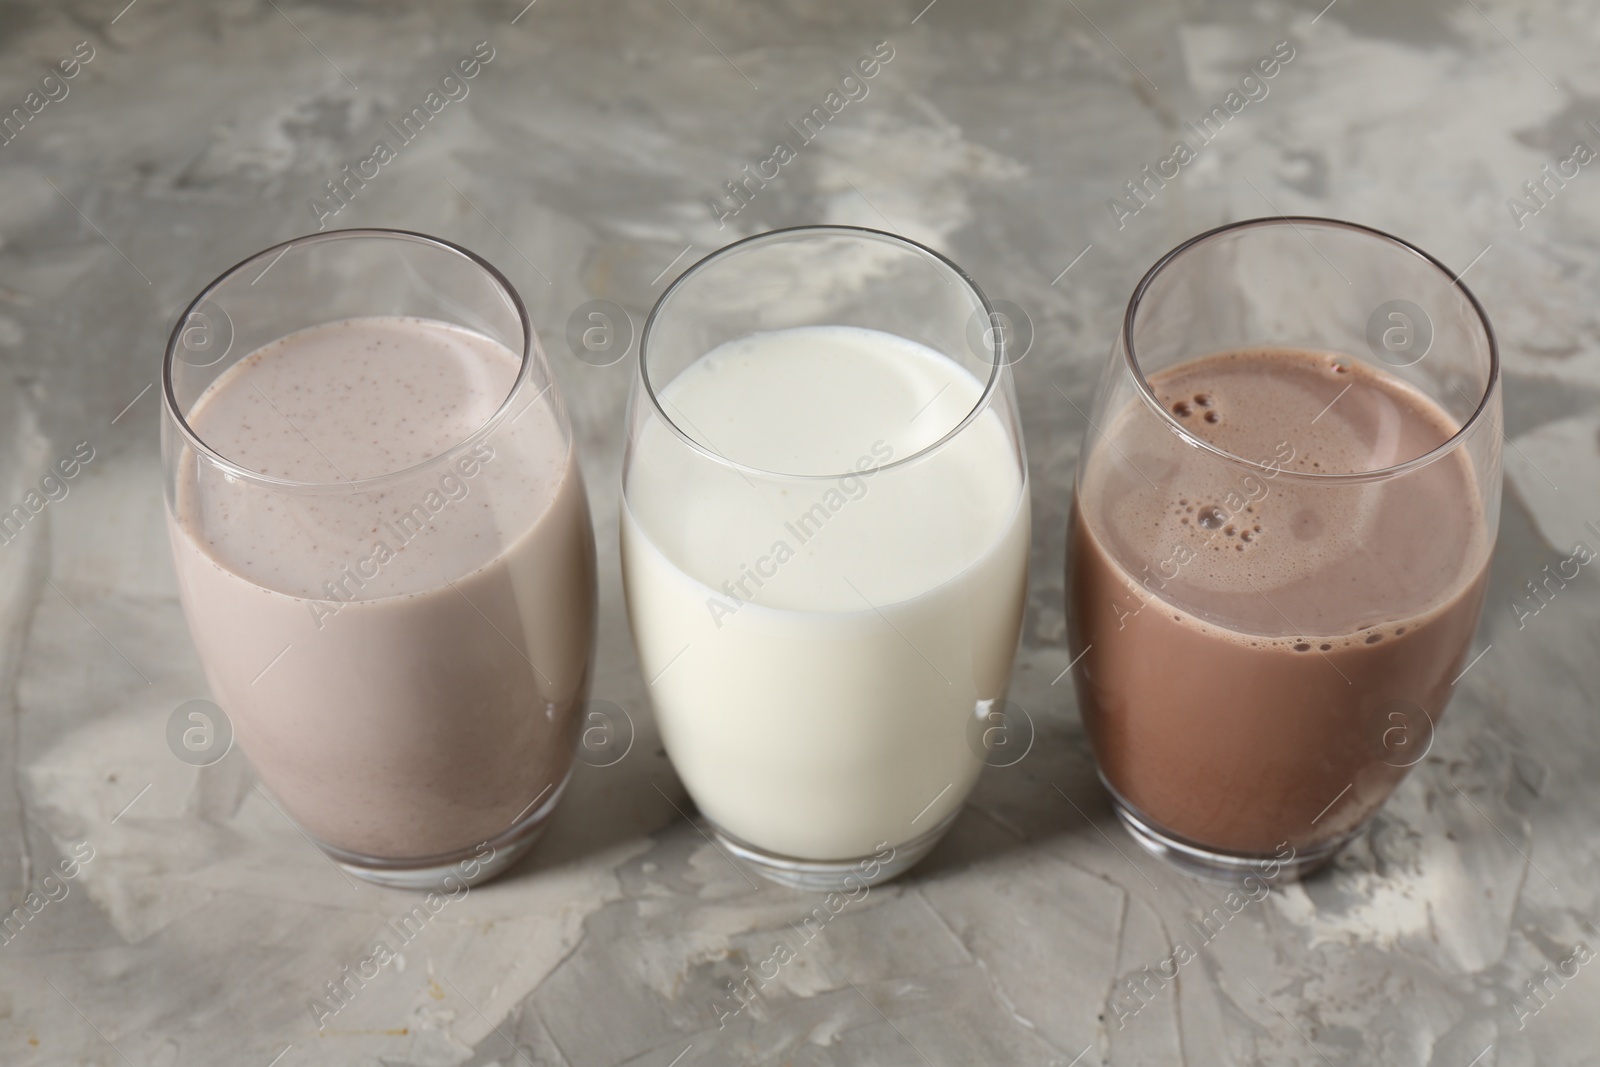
(1205, 528)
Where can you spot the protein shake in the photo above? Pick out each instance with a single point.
(1250, 641)
(401, 664)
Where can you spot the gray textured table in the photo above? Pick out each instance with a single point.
(589, 160)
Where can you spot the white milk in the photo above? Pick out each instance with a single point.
(816, 647)
(402, 667)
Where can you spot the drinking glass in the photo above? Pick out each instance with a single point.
(824, 544)
(400, 652)
(1283, 517)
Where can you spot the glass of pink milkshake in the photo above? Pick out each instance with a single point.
(383, 547)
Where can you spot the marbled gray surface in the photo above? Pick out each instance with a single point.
(582, 162)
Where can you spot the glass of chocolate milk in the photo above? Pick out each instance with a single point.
(383, 547)
(1282, 523)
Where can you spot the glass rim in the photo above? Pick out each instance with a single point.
(985, 396)
(379, 481)
(1451, 444)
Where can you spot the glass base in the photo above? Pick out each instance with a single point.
(1221, 865)
(467, 866)
(825, 876)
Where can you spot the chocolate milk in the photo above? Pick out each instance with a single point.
(1263, 656)
(403, 666)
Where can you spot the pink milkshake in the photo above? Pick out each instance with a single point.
(397, 610)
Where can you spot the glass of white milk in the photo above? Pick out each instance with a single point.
(824, 532)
